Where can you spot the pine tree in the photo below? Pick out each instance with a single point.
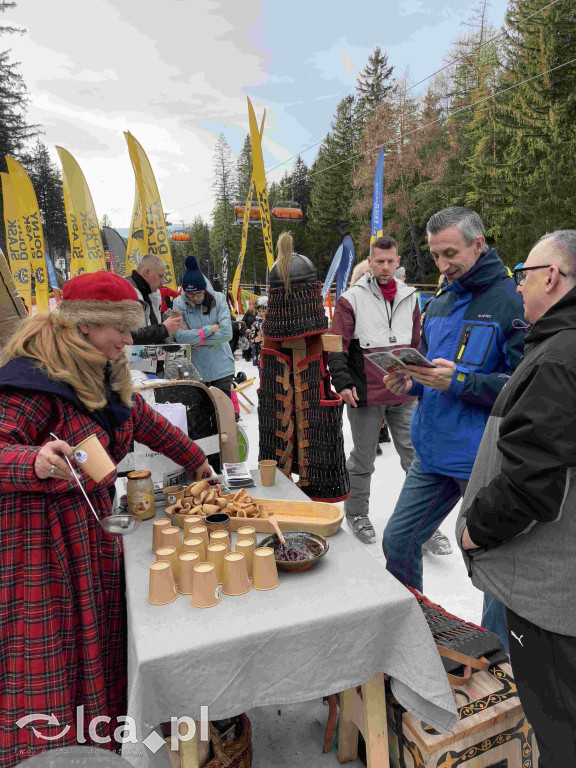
(244, 169)
(331, 188)
(373, 85)
(224, 184)
(540, 119)
(47, 182)
(14, 130)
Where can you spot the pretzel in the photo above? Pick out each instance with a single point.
(238, 496)
(241, 513)
(263, 513)
(197, 511)
(210, 509)
(221, 502)
(209, 498)
(197, 500)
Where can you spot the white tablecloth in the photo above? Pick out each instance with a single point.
(330, 628)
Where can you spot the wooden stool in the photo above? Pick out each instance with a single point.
(363, 709)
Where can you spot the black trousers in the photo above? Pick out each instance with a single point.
(225, 384)
(544, 666)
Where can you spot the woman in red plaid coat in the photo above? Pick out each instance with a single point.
(62, 612)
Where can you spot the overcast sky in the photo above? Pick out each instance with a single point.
(176, 73)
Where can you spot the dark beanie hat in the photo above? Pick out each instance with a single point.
(193, 279)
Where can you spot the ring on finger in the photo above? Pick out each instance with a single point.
(51, 457)
(52, 470)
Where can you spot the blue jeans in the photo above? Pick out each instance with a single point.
(494, 619)
(425, 501)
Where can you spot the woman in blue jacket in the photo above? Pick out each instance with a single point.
(209, 328)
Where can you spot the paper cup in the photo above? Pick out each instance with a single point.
(191, 522)
(172, 494)
(218, 521)
(196, 544)
(162, 589)
(91, 456)
(201, 532)
(169, 555)
(221, 537)
(247, 547)
(157, 528)
(265, 574)
(187, 562)
(206, 590)
(215, 554)
(247, 532)
(235, 574)
(267, 469)
(170, 537)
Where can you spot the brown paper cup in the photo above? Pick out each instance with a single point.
(201, 532)
(235, 575)
(157, 528)
(265, 574)
(221, 537)
(191, 522)
(247, 532)
(247, 547)
(215, 554)
(172, 494)
(267, 472)
(206, 590)
(91, 455)
(162, 589)
(186, 580)
(196, 544)
(169, 555)
(171, 537)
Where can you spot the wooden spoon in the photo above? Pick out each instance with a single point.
(274, 523)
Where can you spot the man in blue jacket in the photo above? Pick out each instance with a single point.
(473, 334)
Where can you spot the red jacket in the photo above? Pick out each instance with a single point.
(62, 611)
(166, 292)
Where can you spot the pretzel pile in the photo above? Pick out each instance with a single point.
(203, 499)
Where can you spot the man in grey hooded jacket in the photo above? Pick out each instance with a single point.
(517, 525)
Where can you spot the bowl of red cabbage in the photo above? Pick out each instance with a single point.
(302, 550)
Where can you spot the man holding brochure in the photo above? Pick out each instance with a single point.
(474, 336)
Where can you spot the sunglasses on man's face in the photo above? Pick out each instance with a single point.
(520, 274)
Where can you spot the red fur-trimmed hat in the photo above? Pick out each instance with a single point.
(101, 298)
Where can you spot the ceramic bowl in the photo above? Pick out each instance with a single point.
(297, 539)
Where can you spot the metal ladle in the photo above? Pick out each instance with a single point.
(113, 525)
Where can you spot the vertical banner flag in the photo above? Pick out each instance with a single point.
(148, 212)
(236, 282)
(83, 227)
(29, 214)
(16, 244)
(345, 267)
(332, 272)
(377, 198)
(260, 185)
(117, 248)
(135, 248)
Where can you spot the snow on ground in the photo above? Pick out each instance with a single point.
(446, 581)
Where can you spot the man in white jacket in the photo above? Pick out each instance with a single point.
(377, 312)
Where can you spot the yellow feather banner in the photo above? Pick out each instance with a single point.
(31, 223)
(260, 185)
(86, 249)
(16, 245)
(148, 233)
(245, 222)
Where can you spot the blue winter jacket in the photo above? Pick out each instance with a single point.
(471, 323)
(211, 355)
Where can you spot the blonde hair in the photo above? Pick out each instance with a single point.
(65, 354)
(284, 250)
